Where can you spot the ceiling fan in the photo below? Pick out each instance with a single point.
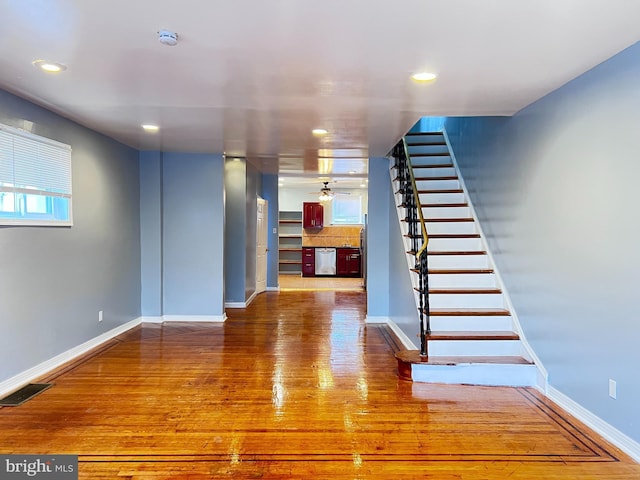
(326, 195)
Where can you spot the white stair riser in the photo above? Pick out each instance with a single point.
(454, 244)
(412, 139)
(462, 280)
(431, 198)
(418, 161)
(476, 374)
(417, 149)
(447, 262)
(450, 227)
(489, 348)
(436, 172)
(462, 300)
(437, 184)
(446, 212)
(467, 323)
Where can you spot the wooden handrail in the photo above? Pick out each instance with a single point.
(423, 226)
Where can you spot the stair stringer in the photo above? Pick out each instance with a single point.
(542, 374)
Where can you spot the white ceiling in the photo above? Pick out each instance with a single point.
(253, 77)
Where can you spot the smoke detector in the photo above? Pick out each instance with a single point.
(167, 37)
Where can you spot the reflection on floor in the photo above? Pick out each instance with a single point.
(297, 282)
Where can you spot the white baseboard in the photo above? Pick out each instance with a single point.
(18, 381)
(610, 433)
(193, 318)
(235, 304)
(273, 289)
(244, 304)
(404, 339)
(374, 319)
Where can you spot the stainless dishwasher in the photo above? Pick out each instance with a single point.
(325, 261)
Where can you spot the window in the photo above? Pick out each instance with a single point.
(346, 210)
(35, 179)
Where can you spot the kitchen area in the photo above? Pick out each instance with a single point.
(317, 255)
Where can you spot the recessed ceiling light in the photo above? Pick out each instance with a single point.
(319, 131)
(352, 172)
(362, 185)
(281, 184)
(424, 76)
(150, 128)
(49, 67)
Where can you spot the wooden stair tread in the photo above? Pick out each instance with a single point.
(454, 252)
(454, 271)
(469, 312)
(426, 179)
(439, 205)
(431, 154)
(423, 134)
(447, 190)
(465, 291)
(442, 220)
(454, 235)
(445, 165)
(413, 356)
(473, 335)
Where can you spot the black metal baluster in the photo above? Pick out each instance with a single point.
(414, 220)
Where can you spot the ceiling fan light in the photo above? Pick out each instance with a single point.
(325, 197)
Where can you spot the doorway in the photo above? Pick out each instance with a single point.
(261, 245)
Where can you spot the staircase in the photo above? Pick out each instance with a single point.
(472, 337)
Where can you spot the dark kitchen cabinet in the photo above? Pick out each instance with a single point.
(312, 215)
(348, 262)
(308, 262)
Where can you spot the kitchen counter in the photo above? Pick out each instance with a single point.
(347, 261)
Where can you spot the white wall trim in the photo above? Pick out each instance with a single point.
(404, 339)
(543, 375)
(244, 304)
(151, 319)
(376, 319)
(235, 304)
(18, 381)
(609, 432)
(273, 289)
(194, 318)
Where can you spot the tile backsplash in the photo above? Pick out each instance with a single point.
(332, 236)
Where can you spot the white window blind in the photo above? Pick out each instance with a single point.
(35, 179)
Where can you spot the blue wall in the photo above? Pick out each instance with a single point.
(151, 232)
(235, 250)
(555, 187)
(270, 193)
(389, 290)
(378, 238)
(182, 221)
(53, 281)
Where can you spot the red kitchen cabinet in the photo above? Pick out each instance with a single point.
(312, 215)
(308, 262)
(348, 262)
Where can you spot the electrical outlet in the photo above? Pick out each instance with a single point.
(275, 231)
(100, 316)
(613, 389)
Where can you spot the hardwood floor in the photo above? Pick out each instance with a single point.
(297, 282)
(295, 386)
